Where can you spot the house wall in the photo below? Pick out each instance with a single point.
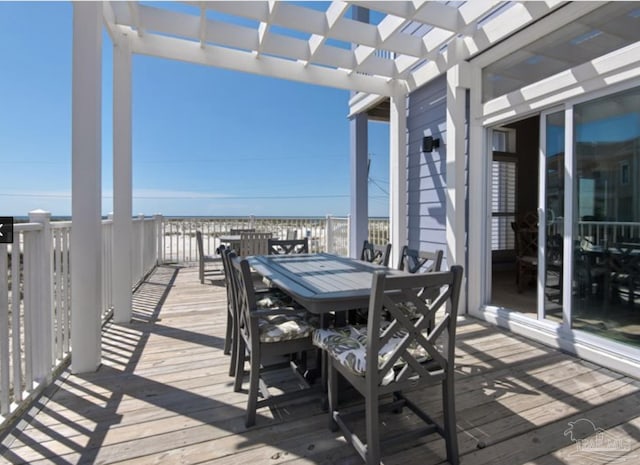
(426, 172)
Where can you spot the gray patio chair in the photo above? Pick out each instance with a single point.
(262, 334)
(394, 355)
(418, 260)
(265, 297)
(375, 253)
(254, 243)
(203, 259)
(288, 246)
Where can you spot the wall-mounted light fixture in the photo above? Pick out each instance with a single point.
(429, 143)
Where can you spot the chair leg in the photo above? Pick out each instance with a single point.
(239, 370)
(372, 419)
(254, 386)
(332, 391)
(229, 334)
(449, 411)
(234, 348)
(201, 271)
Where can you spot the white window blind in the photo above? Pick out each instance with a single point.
(503, 202)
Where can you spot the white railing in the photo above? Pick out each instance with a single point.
(35, 300)
(329, 234)
(35, 282)
(608, 232)
(145, 248)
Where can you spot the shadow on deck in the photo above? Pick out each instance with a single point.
(163, 395)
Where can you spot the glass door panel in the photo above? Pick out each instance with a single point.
(552, 167)
(606, 272)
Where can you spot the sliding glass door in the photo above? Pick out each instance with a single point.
(589, 217)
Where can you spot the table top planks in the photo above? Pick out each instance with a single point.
(321, 282)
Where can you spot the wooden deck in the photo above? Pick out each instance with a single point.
(163, 396)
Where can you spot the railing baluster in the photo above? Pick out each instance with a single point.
(4, 332)
(16, 327)
(28, 273)
(66, 294)
(57, 263)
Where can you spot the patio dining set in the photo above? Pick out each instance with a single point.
(358, 335)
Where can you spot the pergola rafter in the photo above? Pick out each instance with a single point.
(409, 44)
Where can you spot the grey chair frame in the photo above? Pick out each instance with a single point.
(387, 292)
(288, 246)
(230, 334)
(203, 259)
(248, 342)
(373, 253)
(414, 261)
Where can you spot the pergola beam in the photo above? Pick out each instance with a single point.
(221, 57)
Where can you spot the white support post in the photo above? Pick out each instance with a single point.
(86, 237)
(359, 159)
(358, 229)
(479, 258)
(456, 160)
(42, 311)
(122, 181)
(398, 174)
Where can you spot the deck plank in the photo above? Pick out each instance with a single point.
(163, 396)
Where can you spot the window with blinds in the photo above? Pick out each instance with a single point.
(503, 204)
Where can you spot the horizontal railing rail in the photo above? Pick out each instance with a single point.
(325, 234)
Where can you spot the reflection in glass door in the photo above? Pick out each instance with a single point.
(606, 217)
(551, 223)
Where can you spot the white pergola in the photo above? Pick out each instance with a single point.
(413, 43)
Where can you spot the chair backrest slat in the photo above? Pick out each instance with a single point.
(254, 243)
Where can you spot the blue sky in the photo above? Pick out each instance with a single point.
(205, 141)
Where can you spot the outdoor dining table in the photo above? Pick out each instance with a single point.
(321, 282)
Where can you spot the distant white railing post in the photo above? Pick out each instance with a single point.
(329, 234)
(158, 220)
(349, 236)
(41, 317)
(252, 221)
(140, 243)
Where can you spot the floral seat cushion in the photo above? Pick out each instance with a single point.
(284, 327)
(348, 345)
